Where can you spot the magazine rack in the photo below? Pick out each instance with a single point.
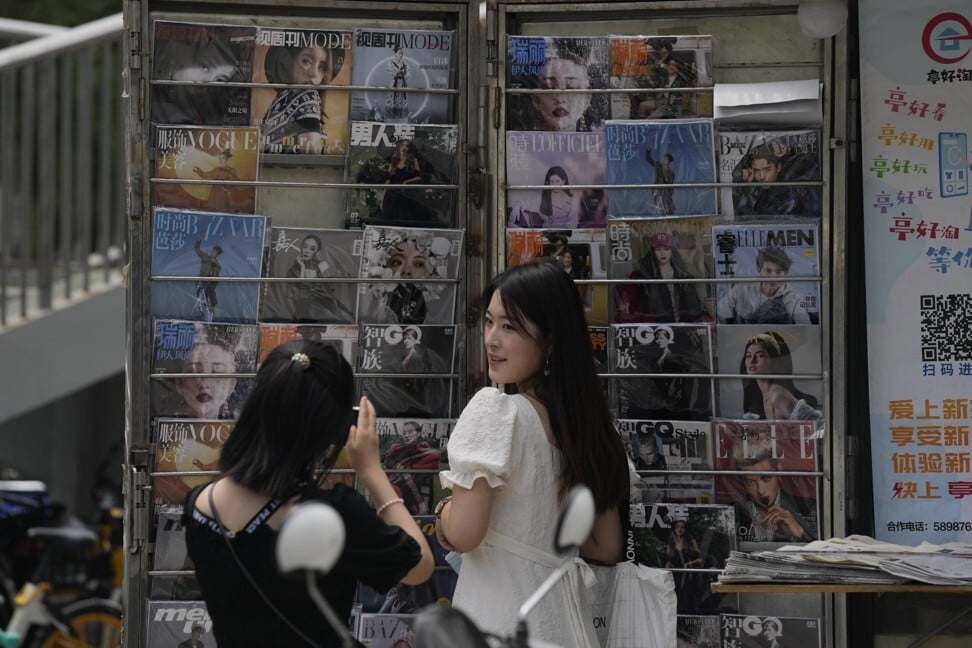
(305, 190)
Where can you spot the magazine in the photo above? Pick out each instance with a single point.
(599, 342)
(776, 158)
(171, 623)
(680, 250)
(661, 152)
(785, 349)
(774, 251)
(205, 246)
(183, 445)
(571, 63)
(555, 159)
(698, 631)
(746, 631)
(222, 153)
(409, 253)
(402, 154)
(311, 254)
(581, 252)
(411, 349)
(408, 445)
(681, 398)
(301, 119)
(343, 337)
(770, 507)
(661, 65)
(201, 348)
(169, 551)
(402, 58)
(669, 446)
(688, 539)
(661, 348)
(386, 630)
(197, 54)
(408, 397)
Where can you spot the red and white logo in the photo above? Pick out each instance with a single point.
(947, 38)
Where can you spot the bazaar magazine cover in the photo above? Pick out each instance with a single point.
(770, 505)
(571, 63)
(310, 254)
(386, 630)
(206, 153)
(555, 160)
(774, 251)
(783, 350)
(398, 254)
(201, 348)
(206, 246)
(581, 253)
(409, 349)
(771, 160)
(400, 59)
(195, 54)
(679, 250)
(343, 338)
(404, 157)
(656, 447)
(171, 623)
(662, 65)
(413, 450)
(661, 152)
(303, 117)
(748, 631)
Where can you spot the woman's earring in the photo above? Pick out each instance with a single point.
(546, 367)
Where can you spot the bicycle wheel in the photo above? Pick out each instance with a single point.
(97, 622)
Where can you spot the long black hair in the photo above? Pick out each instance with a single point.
(293, 421)
(542, 294)
(779, 352)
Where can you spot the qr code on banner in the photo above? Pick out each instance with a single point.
(946, 328)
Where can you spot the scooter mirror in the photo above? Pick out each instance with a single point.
(576, 519)
(312, 537)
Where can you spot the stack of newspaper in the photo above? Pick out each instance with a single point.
(853, 560)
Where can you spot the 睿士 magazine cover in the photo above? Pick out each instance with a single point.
(661, 67)
(173, 623)
(573, 64)
(397, 255)
(221, 153)
(749, 631)
(661, 348)
(661, 152)
(775, 252)
(397, 60)
(303, 116)
(188, 56)
(408, 349)
(401, 158)
(343, 338)
(205, 246)
(555, 160)
(771, 161)
(770, 505)
(311, 256)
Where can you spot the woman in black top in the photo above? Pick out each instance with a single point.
(294, 422)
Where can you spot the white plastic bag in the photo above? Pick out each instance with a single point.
(634, 606)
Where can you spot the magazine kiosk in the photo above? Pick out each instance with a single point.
(488, 163)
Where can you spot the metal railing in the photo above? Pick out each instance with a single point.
(62, 174)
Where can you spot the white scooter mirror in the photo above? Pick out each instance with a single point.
(576, 519)
(311, 538)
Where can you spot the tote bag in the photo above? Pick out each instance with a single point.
(634, 606)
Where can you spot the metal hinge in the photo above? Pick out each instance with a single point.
(135, 34)
(492, 48)
(140, 498)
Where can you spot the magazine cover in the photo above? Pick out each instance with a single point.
(197, 54)
(409, 253)
(572, 63)
(223, 153)
(581, 252)
(401, 59)
(408, 397)
(770, 507)
(744, 631)
(556, 160)
(682, 398)
(184, 445)
(661, 152)
(686, 538)
(770, 160)
(785, 349)
(599, 343)
(205, 246)
(402, 154)
(698, 631)
(173, 623)
(301, 119)
(386, 630)
(169, 551)
(773, 251)
(679, 250)
(669, 446)
(304, 253)
(201, 348)
(343, 337)
(661, 65)
(411, 349)
(408, 445)
(661, 348)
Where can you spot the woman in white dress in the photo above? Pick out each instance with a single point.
(516, 451)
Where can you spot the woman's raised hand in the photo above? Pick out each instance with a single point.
(362, 443)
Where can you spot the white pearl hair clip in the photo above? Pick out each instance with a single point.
(302, 359)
